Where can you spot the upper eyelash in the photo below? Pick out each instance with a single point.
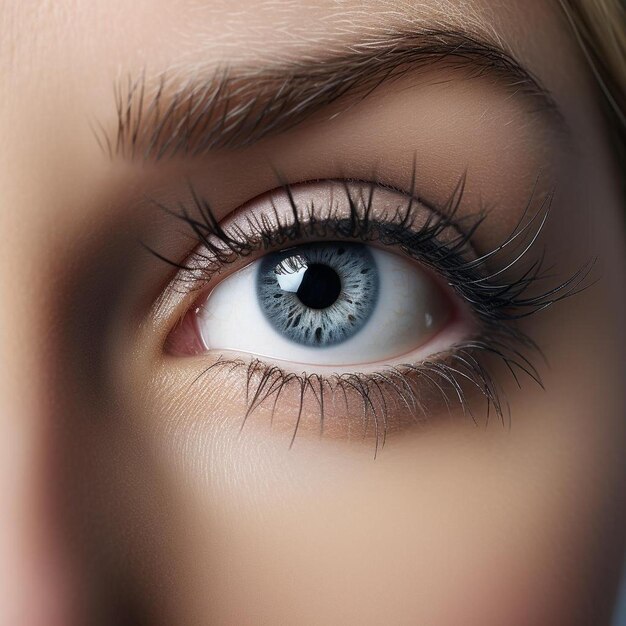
(497, 298)
(471, 278)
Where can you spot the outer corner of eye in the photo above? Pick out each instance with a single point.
(334, 304)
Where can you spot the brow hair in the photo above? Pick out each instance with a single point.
(235, 107)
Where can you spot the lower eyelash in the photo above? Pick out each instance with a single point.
(449, 380)
(497, 299)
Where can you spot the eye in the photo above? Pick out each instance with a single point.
(325, 303)
(333, 293)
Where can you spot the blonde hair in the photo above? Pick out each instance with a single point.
(600, 27)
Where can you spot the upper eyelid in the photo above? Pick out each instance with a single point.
(508, 301)
(236, 107)
(226, 237)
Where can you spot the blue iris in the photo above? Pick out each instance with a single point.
(318, 294)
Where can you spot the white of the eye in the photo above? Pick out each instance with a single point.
(409, 310)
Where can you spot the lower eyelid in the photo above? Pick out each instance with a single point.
(364, 408)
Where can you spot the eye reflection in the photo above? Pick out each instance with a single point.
(325, 304)
(315, 284)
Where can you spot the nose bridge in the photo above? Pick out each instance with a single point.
(33, 569)
(30, 551)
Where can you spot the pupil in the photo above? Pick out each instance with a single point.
(320, 286)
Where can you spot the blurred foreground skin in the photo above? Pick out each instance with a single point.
(130, 496)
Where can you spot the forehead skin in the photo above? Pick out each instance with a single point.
(482, 528)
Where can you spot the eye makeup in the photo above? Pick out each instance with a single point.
(485, 294)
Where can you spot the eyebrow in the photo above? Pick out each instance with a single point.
(234, 107)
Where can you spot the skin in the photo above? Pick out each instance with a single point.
(128, 492)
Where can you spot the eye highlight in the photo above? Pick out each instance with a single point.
(326, 304)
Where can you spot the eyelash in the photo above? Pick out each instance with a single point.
(484, 282)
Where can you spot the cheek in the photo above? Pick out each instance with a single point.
(452, 525)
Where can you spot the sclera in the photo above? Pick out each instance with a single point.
(411, 309)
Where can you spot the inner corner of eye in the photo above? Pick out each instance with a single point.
(331, 303)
